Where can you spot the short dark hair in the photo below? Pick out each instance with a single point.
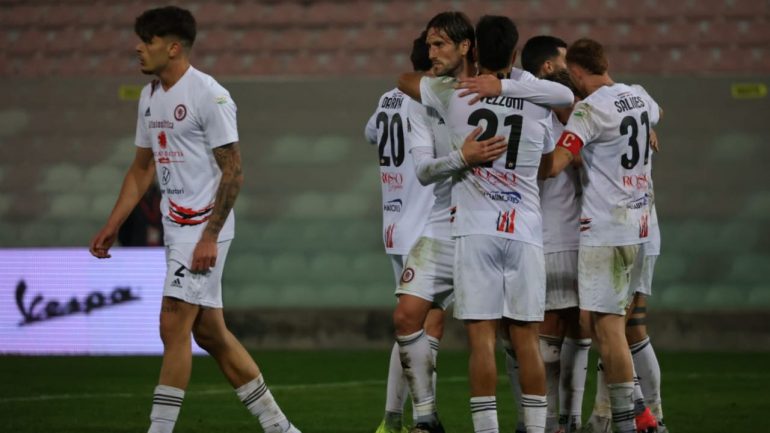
(496, 37)
(420, 59)
(562, 77)
(588, 54)
(457, 27)
(166, 21)
(538, 50)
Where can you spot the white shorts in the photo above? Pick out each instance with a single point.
(604, 278)
(561, 286)
(497, 277)
(199, 289)
(641, 276)
(397, 261)
(429, 272)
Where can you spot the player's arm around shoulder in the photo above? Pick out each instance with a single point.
(535, 90)
(409, 83)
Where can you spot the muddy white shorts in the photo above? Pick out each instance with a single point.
(397, 261)
(429, 271)
(604, 278)
(641, 276)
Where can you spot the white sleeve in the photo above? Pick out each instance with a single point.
(582, 123)
(430, 169)
(435, 92)
(654, 108)
(142, 138)
(418, 129)
(549, 141)
(537, 91)
(217, 113)
(370, 131)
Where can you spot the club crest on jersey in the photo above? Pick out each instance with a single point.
(180, 112)
(408, 275)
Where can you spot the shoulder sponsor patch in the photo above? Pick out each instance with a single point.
(221, 99)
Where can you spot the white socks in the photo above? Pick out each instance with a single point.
(622, 403)
(535, 407)
(260, 402)
(417, 362)
(648, 370)
(602, 402)
(550, 350)
(484, 414)
(574, 364)
(166, 403)
(397, 390)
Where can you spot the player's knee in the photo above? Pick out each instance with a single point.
(405, 322)
(636, 333)
(209, 340)
(171, 333)
(434, 325)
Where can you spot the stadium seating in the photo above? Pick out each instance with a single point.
(296, 30)
(309, 227)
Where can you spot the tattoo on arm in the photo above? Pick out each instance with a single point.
(229, 160)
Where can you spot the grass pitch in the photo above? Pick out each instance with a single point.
(339, 392)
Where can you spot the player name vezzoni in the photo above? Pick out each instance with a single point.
(40, 308)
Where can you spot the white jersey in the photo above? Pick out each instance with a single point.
(652, 247)
(406, 203)
(500, 199)
(560, 203)
(438, 225)
(182, 125)
(613, 123)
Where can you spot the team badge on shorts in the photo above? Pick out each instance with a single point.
(408, 275)
(180, 112)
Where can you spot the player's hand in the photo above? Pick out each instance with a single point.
(204, 256)
(654, 143)
(483, 86)
(101, 243)
(478, 152)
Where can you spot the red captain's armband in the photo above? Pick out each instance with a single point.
(571, 142)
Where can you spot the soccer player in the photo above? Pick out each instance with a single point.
(563, 344)
(186, 133)
(499, 268)
(647, 401)
(428, 277)
(645, 361)
(398, 125)
(610, 130)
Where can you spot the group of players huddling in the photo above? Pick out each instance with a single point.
(525, 197)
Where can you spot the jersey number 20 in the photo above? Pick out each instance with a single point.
(395, 130)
